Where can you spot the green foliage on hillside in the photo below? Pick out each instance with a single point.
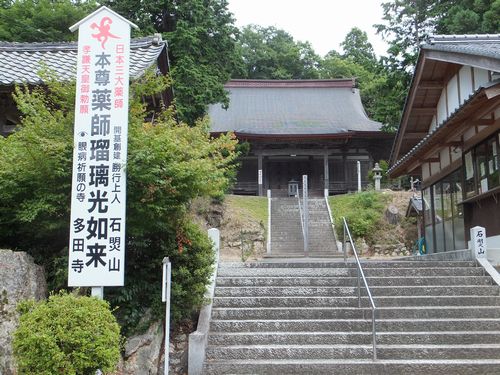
(66, 335)
(362, 211)
(254, 207)
(169, 164)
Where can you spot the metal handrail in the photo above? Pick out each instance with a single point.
(302, 219)
(330, 217)
(361, 275)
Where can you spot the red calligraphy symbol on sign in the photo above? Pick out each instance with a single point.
(103, 34)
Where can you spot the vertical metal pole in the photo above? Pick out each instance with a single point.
(269, 234)
(359, 288)
(98, 292)
(359, 175)
(326, 172)
(344, 245)
(374, 336)
(167, 276)
(305, 210)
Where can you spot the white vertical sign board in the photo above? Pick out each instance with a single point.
(97, 228)
(260, 177)
(478, 241)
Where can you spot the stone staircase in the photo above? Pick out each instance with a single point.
(321, 239)
(303, 318)
(286, 229)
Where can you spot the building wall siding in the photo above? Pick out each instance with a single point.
(453, 95)
(466, 87)
(442, 114)
(481, 76)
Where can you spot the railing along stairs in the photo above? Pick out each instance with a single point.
(361, 276)
(304, 217)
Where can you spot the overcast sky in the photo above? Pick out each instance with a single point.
(324, 23)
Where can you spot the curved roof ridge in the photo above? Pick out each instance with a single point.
(463, 38)
(292, 83)
(70, 46)
(21, 62)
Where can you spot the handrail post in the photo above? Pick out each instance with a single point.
(305, 211)
(359, 288)
(374, 336)
(344, 244)
(269, 202)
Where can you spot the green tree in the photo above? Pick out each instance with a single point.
(41, 20)
(271, 53)
(471, 17)
(169, 164)
(381, 88)
(407, 23)
(357, 47)
(66, 335)
(202, 49)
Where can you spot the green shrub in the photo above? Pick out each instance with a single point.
(362, 211)
(66, 335)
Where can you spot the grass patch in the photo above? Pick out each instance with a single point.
(363, 212)
(254, 207)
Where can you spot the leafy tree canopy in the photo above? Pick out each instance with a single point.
(381, 92)
(271, 53)
(357, 47)
(202, 49)
(471, 17)
(407, 23)
(41, 20)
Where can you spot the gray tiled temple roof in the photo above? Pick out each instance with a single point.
(487, 45)
(297, 107)
(21, 62)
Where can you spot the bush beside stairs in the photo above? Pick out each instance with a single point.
(284, 317)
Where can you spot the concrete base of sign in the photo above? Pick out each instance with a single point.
(198, 339)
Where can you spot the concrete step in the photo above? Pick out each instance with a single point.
(258, 302)
(302, 317)
(352, 281)
(300, 313)
(308, 352)
(359, 325)
(354, 367)
(351, 264)
(332, 254)
(351, 272)
(352, 338)
(458, 290)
